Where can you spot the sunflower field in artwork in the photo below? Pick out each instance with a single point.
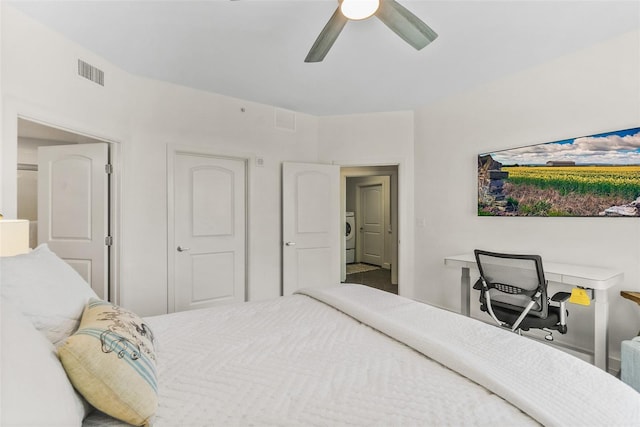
(620, 181)
(598, 175)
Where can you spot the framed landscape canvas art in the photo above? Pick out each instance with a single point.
(592, 176)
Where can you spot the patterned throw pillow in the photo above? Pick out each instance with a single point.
(110, 360)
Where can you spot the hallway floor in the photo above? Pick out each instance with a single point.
(379, 278)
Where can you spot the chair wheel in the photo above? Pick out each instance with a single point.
(548, 337)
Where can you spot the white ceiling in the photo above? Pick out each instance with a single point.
(255, 49)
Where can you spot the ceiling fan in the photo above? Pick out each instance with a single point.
(395, 16)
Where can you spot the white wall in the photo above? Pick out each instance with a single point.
(2, 161)
(378, 139)
(168, 114)
(39, 81)
(591, 91)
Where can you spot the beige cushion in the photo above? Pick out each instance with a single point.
(110, 360)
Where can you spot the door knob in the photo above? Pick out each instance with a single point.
(290, 243)
(181, 249)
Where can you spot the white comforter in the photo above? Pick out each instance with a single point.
(296, 361)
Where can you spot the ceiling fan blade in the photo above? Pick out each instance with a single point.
(405, 24)
(327, 37)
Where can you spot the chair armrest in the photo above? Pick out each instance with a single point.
(561, 297)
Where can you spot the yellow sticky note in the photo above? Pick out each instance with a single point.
(579, 296)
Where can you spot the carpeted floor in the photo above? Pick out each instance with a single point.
(379, 278)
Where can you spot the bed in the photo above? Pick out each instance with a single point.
(352, 355)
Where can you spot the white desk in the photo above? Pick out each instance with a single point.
(596, 279)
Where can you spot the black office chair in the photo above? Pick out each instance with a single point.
(513, 291)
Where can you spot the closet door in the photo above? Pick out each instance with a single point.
(371, 217)
(207, 249)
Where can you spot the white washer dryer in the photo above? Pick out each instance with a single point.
(350, 237)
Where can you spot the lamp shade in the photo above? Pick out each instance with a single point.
(14, 237)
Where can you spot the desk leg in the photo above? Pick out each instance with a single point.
(465, 292)
(600, 335)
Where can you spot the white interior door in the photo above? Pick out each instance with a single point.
(208, 251)
(311, 226)
(73, 206)
(372, 224)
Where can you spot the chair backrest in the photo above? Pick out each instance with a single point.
(512, 280)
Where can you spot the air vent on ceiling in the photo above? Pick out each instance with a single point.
(90, 72)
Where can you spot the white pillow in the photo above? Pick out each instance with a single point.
(47, 290)
(35, 387)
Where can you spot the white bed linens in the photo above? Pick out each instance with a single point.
(551, 386)
(295, 361)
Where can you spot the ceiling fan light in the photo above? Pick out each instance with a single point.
(359, 9)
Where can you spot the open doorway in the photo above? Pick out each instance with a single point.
(65, 191)
(371, 226)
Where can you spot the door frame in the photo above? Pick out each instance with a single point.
(115, 187)
(172, 151)
(402, 213)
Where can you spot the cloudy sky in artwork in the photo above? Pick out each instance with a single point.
(611, 148)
